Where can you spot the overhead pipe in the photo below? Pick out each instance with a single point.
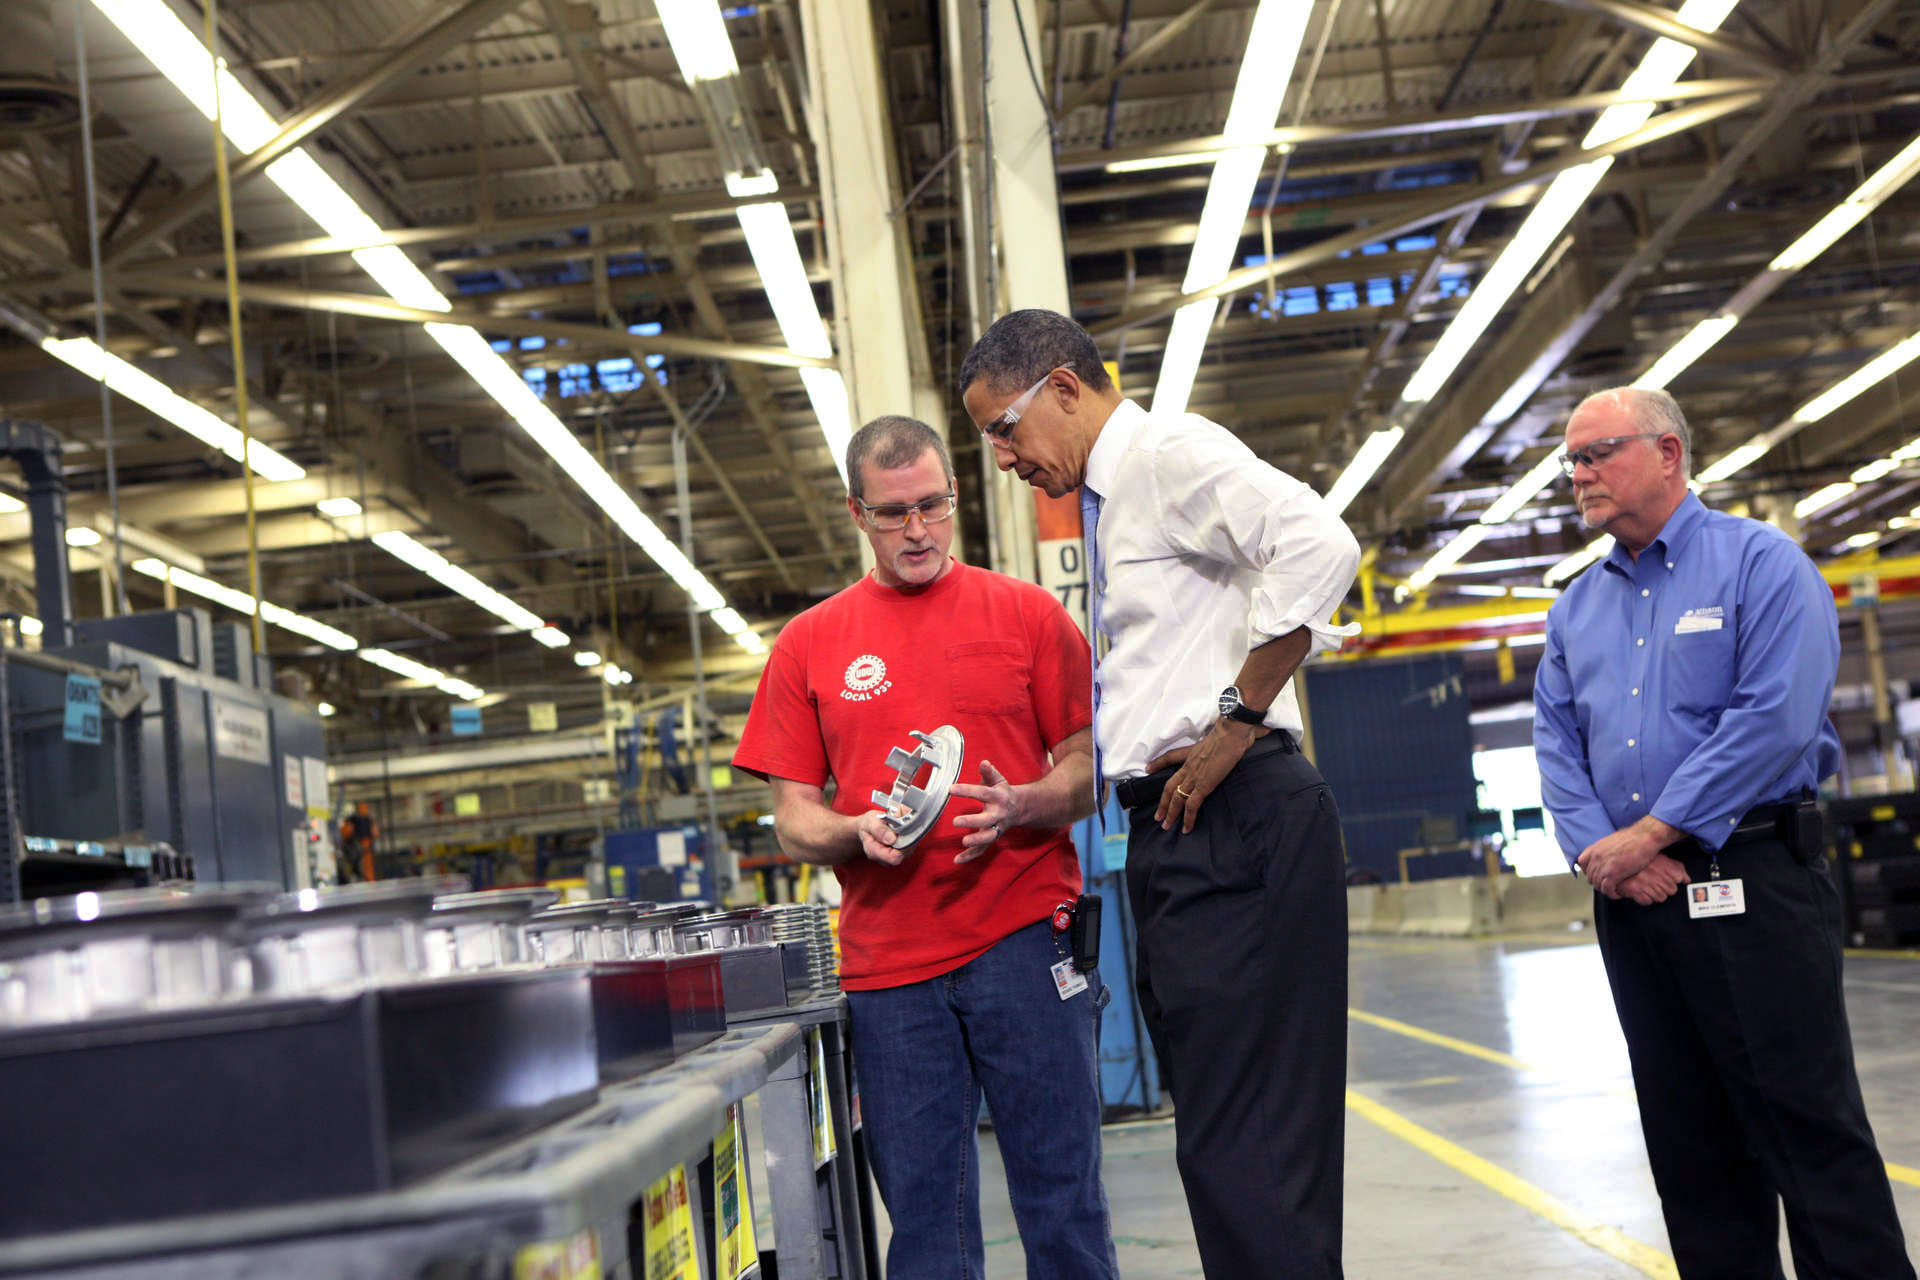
(37, 449)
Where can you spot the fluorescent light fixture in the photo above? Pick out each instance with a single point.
(1822, 498)
(1538, 478)
(745, 186)
(586, 658)
(157, 32)
(1697, 342)
(1493, 591)
(1451, 553)
(241, 602)
(1564, 198)
(613, 674)
(10, 505)
(149, 393)
(1146, 164)
(421, 673)
(338, 508)
(1266, 69)
(1884, 365)
(1740, 459)
(324, 710)
(1849, 213)
(80, 535)
(178, 55)
(406, 547)
(1595, 550)
(1862, 540)
(776, 254)
(472, 353)
(1361, 469)
(1874, 470)
(31, 626)
(1180, 358)
(751, 642)
(698, 36)
(1838, 220)
(729, 621)
(553, 637)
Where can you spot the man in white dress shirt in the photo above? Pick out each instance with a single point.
(1214, 577)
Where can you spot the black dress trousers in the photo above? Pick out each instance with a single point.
(1242, 978)
(1742, 1058)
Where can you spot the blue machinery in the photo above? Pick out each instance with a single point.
(188, 762)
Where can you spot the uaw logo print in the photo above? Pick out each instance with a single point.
(866, 679)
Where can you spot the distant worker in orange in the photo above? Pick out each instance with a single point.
(357, 835)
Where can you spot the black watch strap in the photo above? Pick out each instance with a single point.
(1231, 708)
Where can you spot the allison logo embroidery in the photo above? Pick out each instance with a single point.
(866, 679)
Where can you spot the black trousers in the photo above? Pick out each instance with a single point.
(1242, 978)
(1743, 1061)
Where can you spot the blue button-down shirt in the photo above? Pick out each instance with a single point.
(1692, 683)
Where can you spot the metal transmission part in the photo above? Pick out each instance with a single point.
(910, 810)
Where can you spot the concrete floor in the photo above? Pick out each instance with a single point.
(1512, 1145)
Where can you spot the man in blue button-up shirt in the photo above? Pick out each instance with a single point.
(1681, 724)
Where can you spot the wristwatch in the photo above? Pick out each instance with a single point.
(1231, 708)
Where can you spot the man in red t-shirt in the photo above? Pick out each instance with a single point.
(957, 983)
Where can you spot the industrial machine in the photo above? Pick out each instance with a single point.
(153, 734)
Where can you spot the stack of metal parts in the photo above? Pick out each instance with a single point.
(182, 1052)
(187, 1052)
(805, 929)
(752, 965)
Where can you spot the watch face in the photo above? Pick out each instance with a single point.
(1229, 700)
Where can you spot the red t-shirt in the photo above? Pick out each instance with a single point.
(852, 677)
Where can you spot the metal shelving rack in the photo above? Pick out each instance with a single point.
(569, 1191)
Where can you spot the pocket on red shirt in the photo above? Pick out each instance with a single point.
(990, 677)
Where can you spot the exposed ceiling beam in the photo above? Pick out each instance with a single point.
(1451, 202)
(409, 56)
(378, 308)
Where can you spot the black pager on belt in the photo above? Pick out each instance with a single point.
(1086, 932)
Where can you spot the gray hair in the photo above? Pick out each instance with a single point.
(893, 441)
(1652, 411)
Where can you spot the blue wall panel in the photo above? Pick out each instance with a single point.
(1392, 738)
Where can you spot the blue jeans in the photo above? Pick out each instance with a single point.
(925, 1053)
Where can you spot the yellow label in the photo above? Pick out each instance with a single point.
(575, 1259)
(735, 1250)
(617, 881)
(466, 804)
(823, 1144)
(1881, 813)
(668, 1253)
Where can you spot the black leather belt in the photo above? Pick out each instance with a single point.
(1780, 822)
(1144, 792)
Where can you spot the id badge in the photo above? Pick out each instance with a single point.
(1069, 981)
(1716, 898)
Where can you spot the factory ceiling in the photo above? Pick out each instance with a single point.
(538, 173)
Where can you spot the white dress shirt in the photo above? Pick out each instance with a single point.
(1207, 553)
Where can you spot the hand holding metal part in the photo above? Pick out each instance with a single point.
(909, 810)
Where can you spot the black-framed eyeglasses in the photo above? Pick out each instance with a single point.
(1598, 451)
(891, 517)
(1001, 428)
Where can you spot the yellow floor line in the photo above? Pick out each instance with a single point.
(1611, 1241)
(1434, 1037)
(1898, 1172)
(1883, 955)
